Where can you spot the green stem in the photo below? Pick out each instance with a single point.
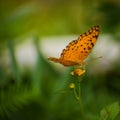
(78, 97)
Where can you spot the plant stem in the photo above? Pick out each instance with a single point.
(78, 97)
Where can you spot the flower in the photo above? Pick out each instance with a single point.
(78, 72)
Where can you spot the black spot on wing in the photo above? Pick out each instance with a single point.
(92, 44)
(89, 47)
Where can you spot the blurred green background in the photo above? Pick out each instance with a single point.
(41, 90)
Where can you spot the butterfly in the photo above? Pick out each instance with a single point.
(76, 51)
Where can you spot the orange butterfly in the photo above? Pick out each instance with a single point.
(77, 50)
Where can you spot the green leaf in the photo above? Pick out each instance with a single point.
(13, 62)
(110, 111)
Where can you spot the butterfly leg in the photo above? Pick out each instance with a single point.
(83, 65)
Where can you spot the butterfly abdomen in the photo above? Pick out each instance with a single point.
(53, 59)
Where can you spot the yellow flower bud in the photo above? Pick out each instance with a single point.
(72, 85)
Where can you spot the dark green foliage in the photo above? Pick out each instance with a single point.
(111, 17)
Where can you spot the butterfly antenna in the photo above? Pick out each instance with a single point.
(95, 58)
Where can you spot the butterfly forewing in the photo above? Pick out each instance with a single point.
(79, 49)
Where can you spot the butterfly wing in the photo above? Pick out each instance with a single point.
(79, 49)
(62, 61)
